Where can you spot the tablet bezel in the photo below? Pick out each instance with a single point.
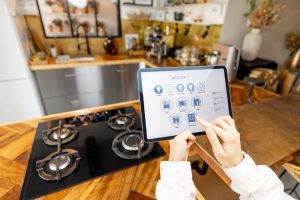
(141, 95)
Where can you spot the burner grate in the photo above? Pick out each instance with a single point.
(130, 145)
(53, 168)
(62, 162)
(64, 132)
(121, 121)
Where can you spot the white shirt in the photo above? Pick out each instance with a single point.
(251, 182)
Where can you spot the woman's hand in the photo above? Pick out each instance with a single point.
(224, 139)
(180, 145)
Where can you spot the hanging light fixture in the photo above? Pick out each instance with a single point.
(78, 3)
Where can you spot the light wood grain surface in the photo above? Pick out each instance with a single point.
(270, 132)
(137, 182)
(107, 60)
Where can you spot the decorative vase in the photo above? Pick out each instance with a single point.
(251, 44)
(294, 61)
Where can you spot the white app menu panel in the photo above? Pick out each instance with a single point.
(173, 99)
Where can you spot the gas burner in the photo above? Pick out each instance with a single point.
(130, 145)
(133, 142)
(62, 134)
(58, 165)
(121, 121)
(59, 162)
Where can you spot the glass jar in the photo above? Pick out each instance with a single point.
(194, 56)
(147, 36)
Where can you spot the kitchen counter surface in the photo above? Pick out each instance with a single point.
(15, 144)
(270, 133)
(107, 60)
(135, 183)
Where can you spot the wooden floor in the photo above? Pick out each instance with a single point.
(134, 183)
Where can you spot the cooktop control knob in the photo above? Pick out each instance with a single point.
(78, 120)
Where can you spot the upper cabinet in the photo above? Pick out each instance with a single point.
(100, 18)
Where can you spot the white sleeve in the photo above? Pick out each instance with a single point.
(255, 182)
(175, 181)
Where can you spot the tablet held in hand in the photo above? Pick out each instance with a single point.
(171, 98)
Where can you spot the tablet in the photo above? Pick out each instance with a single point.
(171, 98)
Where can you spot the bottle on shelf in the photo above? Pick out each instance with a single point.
(147, 36)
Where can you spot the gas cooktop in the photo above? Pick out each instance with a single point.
(70, 151)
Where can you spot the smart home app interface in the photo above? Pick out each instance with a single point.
(173, 99)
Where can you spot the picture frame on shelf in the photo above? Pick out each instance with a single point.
(143, 2)
(131, 40)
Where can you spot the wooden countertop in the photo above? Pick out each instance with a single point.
(107, 60)
(16, 140)
(270, 133)
(135, 183)
(15, 145)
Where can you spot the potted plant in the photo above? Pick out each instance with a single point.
(260, 17)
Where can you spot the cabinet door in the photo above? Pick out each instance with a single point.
(88, 87)
(19, 101)
(119, 83)
(61, 82)
(72, 102)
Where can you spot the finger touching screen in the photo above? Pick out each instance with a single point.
(172, 98)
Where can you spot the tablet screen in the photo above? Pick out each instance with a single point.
(171, 99)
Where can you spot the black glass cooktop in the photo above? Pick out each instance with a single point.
(94, 144)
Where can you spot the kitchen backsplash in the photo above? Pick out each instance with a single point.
(69, 45)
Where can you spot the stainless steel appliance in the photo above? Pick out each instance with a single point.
(70, 151)
(87, 86)
(229, 57)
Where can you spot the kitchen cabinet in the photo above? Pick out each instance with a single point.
(87, 86)
(18, 100)
(18, 95)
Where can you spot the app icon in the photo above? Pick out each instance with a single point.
(176, 120)
(196, 102)
(181, 103)
(180, 87)
(169, 88)
(201, 87)
(191, 118)
(190, 87)
(166, 105)
(158, 89)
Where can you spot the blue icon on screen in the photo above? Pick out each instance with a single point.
(190, 87)
(191, 118)
(176, 120)
(166, 105)
(181, 103)
(158, 89)
(196, 102)
(180, 87)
